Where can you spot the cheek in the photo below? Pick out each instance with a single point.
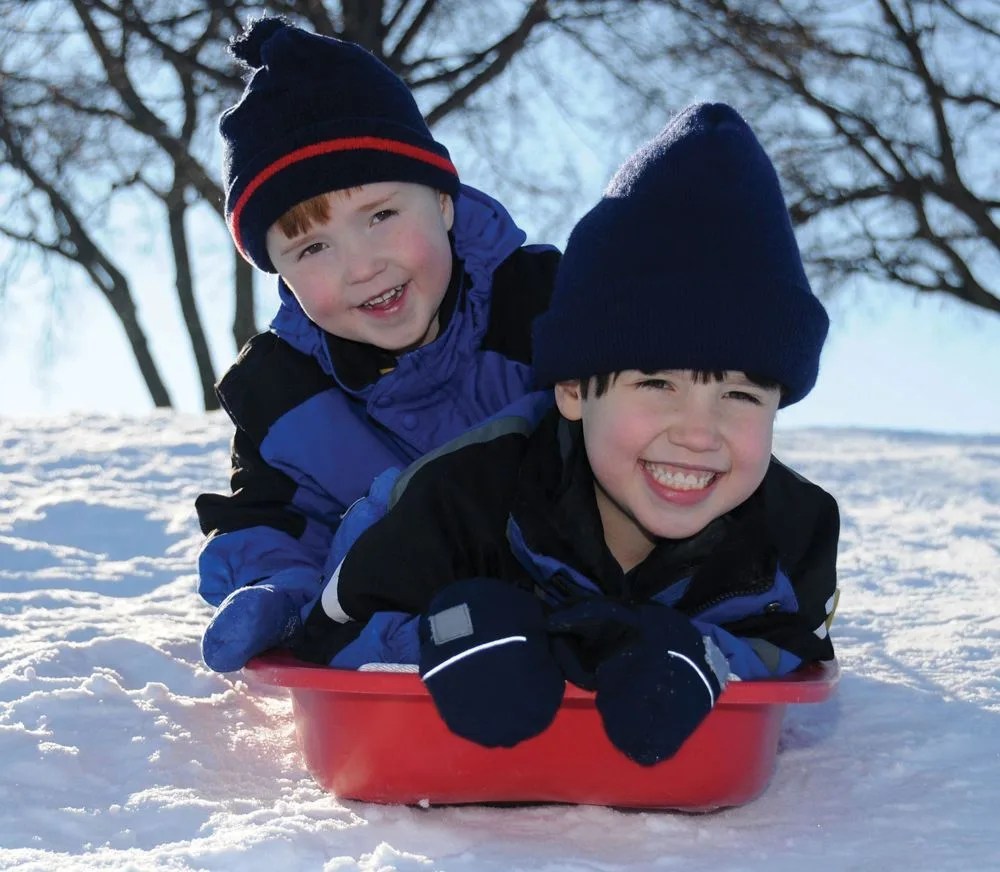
(615, 441)
(426, 245)
(316, 292)
(318, 307)
(434, 255)
(307, 300)
(753, 447)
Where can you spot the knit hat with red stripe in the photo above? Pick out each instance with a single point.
(317, 115)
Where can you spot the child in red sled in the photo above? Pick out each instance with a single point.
(406, 307)
(639, 539)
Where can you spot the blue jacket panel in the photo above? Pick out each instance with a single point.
(308, 443)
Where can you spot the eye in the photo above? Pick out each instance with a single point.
(655, 384)
(382, 214)
(314, 248)
(744, 396)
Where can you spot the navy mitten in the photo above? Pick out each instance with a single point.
(255, 618)
(485, 659)
(656, 677)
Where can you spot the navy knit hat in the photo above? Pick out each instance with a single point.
(318, 115)
(687, 262)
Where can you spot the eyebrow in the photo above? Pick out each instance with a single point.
(378, 201)
(731, 377)
(366, 206)
(294, 243)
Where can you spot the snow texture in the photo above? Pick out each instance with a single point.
(121, 750)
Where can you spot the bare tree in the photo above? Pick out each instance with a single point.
(65, 233)
(126, 94)
(884, 117)
(88, 137)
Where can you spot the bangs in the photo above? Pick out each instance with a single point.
(315, 210)
(600, 384)
(302, 216)
(704, 376)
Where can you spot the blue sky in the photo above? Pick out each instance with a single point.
(902, 363)
(892, 360)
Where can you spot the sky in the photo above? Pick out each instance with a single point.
(122, 751)
(892, 360)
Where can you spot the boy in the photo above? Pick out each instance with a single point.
(406, 306)
(639, 540)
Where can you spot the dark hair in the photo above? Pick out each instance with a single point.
(601, 383)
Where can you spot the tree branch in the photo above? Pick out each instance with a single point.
(503, 51)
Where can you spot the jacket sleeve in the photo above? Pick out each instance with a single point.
(447, 523)
(269, 523)
(522, 289)
(256, 532)
(788, 624)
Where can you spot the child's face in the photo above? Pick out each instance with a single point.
(377, 269)
(671, 454)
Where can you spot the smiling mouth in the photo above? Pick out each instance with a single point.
(384, 300)
(678, 479)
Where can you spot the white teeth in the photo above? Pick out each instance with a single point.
(679, 480)
(382, 299)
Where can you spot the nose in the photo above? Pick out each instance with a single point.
(695, 425)
(362, 262)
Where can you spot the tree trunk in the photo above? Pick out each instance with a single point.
(75, 244)
(244, 320)
(117, 292)
(184, 283)
(363, 24)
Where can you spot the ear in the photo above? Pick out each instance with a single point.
(447, 210)
(569, 399)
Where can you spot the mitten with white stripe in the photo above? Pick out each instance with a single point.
(655, 691)
(485, 658)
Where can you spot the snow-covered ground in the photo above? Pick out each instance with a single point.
(120, 750)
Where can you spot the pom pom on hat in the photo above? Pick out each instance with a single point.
(246, 46)
(687, 262)
(318, 114)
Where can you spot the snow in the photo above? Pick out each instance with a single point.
(121, 750)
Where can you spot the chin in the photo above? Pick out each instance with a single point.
(403, 346)
(684, 532)
(681, 528)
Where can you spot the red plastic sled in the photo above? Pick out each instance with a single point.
(376, 737)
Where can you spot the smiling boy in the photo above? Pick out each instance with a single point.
(638, 539)
(406, 302)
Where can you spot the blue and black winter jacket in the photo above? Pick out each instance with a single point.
(514, 499)
(318, 417)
